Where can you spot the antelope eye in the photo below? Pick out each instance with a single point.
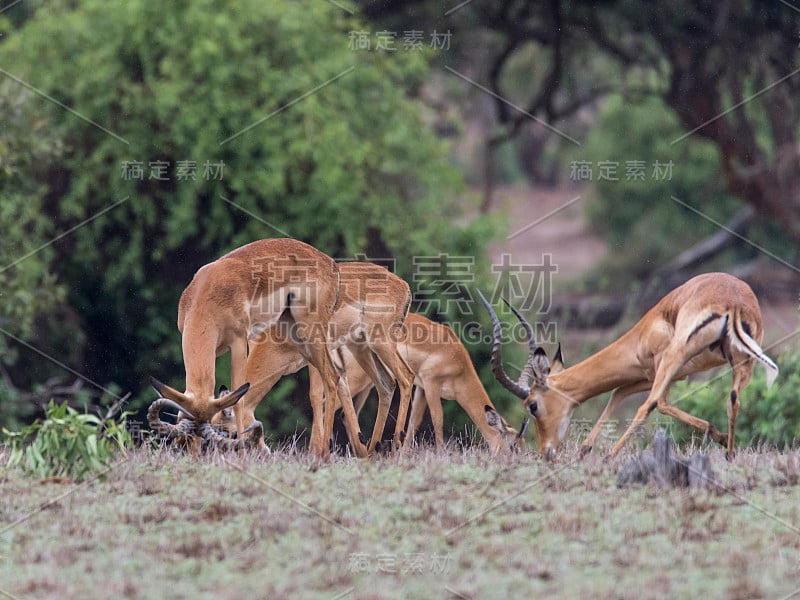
(533, 407)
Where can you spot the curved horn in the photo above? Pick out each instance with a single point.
(254, 425)
(527, 372)
(163, 428)
(213, 437)
(525, 325)
(518, 390)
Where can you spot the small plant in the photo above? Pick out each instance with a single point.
(67, 443)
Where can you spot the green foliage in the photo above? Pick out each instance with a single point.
(643, 226)
(67, 443)
(766, 416)
(318, 141)
(28, 287)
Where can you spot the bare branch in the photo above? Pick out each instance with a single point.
(712, 245)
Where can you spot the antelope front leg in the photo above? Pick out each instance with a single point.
(384, 404)
(617, 396)
(418, 406)
(432, 395)
(669, 365)
(405, 381)
(350, 419)
(238, 363)
(641, 414)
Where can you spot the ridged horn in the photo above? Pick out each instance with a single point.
(527, 372)
(214, 438)
(163, 428)
(526, 325)
(518, 390)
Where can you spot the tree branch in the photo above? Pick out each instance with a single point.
(712, 245)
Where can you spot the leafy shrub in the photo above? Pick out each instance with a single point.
(643, 227)
(766, 416)
(67, 443)
(353, 167)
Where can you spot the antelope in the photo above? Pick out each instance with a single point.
(710, 320)
(442, 369)
(238, 296)
(368, 322)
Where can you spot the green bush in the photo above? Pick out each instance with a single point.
(67, 443)
(766, 416)
(353, 167)
(30, 293)
(641, 223)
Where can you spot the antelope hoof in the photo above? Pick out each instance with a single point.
(362, 438)
(584, 450)
(729, 456)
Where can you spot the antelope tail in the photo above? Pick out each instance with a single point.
(744, 343)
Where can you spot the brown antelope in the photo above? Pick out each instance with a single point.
(442, 369)
(708, 321)
(368, 322)
(240, 295)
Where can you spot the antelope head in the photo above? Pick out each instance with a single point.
(199, 410)
(514, 440)
(551, 409)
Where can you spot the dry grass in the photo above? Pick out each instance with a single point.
(421, 524)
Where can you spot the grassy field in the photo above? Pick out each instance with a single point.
(457, 524)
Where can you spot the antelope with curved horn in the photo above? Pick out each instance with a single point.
(710, 320)
(242, 294)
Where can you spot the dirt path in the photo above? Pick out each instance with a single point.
(548, 221)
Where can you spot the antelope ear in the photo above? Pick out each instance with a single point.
(540, 367)
(164, 391)
(229, 399)
(558, 361)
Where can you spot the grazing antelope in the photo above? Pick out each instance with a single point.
(708, 321)
(368, 322)
(240, 295)
(442, 369)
